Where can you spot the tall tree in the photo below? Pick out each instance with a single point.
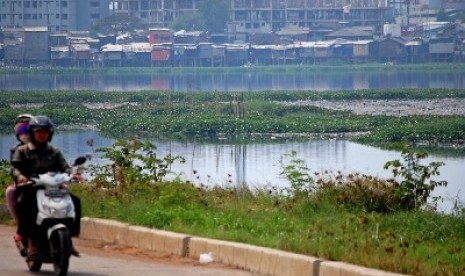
(215, 13)
(189, 21)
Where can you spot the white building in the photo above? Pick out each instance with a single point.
(63, 15)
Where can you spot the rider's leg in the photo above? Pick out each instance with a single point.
(10, 195)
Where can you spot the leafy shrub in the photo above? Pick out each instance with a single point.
(416, 186)
(132, 162)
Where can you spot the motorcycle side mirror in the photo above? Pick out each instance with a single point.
(79, 161)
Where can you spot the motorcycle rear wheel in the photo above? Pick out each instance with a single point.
(60, 250)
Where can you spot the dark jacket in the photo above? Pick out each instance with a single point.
(12, 151)
(29, 160)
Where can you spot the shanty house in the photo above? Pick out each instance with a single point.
(59, 56)
(80, 54)
(388, 49)
(36, 45)
(441, 49)
(112, 55)
(160, 36)
(237, 54)
(137, 54)
(261, 54)
(161, 54)
(185, 55)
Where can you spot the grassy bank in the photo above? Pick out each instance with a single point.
(354, 218)
(228, 114)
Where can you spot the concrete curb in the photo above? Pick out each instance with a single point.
(256, 259)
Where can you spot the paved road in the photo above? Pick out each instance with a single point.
(110, 260)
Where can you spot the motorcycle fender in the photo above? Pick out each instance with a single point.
(64, 207)
(53, 228)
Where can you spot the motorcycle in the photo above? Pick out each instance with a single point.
(55, 217)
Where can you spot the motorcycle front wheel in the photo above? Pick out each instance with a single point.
(60, 250)
(34, 264)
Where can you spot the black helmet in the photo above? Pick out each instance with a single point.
(23, 118)
(40, 122)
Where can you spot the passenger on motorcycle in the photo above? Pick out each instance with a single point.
(38, 157)
(21, 133)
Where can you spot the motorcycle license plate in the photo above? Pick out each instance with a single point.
(56, 193)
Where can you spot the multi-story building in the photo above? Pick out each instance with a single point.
(246, 16)
(62, 15)
(263, 16)
(156, 13)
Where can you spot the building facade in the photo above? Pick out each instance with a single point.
(62, 15)
(246, 16)
(262, 16)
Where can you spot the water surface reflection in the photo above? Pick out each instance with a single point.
(243, 81)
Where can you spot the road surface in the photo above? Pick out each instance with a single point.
(105, 260)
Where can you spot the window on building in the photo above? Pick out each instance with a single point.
(27, 16)
(40, 16)
(34, 16)
(27, 4)
(144, 5)
(57, 16)
(133, 6)
(20, 16)
(185, 4)
(34, 4)
(95, 4)
(64, 16)
(144, 15)
(168, 4)
(64, 4)
(94, 16)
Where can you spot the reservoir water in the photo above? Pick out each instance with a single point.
(244, 81)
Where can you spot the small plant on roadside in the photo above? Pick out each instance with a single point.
(416, 184)
(133, 161)
(298, 174)
(5, 178)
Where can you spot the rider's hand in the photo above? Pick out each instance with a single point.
(78, 177)
(22, 179)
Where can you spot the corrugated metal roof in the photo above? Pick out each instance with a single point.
(137, 47)
(36, 29)
(112, 48)
(59, 49)
(80, 47)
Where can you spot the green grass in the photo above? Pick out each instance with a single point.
(162, 114)
(413, 242)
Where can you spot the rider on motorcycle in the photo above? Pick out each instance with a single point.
(38, 157)
(22, 135)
